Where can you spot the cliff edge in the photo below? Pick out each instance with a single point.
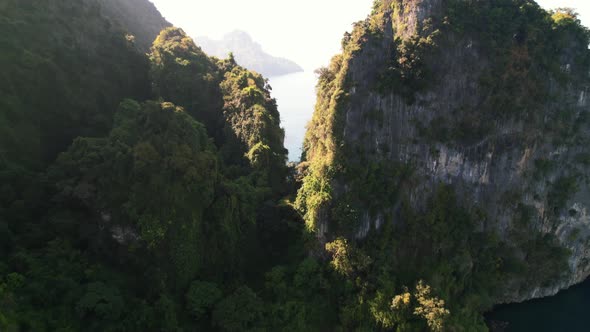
(486, 100)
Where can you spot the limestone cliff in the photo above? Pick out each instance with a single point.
(489, 97)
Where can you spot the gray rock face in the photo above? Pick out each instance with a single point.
(516, 161)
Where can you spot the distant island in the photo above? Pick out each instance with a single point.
(248, 53)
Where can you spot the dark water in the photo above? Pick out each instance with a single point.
(568, 311)
(295, 95)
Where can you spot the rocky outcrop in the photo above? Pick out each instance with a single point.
(496, 116)
(248, 53)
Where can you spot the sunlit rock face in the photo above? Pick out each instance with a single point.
(504, 138)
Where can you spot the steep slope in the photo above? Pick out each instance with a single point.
(248, 53)
(65, 67)
(448, 129)
(132, 214)
(233, 102)
(139, 18)
(117, 212)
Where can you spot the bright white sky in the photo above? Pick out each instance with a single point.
(306, 31)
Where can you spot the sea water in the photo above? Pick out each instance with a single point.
(568, 311)
(295, 95)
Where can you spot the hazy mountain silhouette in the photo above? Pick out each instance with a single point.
(248, 53)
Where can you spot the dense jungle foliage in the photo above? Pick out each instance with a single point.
(121, 211)
(149, 192)
(65, 69)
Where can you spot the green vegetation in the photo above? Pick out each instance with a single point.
(252, 124)
(542, 168)
(445, 249)
(201, 297)
(186, 76)
(233, 103)
(150, 192)
(525, 44)
(154, 205)
(561, 191)
(408, 72)
(166, 186)
(524, 48)
(469, 128)
(48, 93)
